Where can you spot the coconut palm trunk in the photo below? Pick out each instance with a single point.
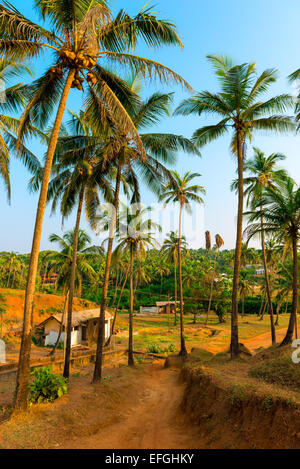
(211, 289)
(66, 372)
(116, 288)
(101, 332)
(130, 341)
(183, 351)
(21, 392)
(61, 325)
(118, 305)
(293, 318)
(9, 274)
(234, 345)
(263, 247)
(175, 273)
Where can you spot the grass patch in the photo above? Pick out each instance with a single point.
(279, 370)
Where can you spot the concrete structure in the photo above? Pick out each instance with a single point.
(84, 327)
(149, 310)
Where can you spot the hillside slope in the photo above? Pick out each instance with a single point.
(45, 304)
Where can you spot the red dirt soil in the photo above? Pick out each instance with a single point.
(151, 418)
(14, 301)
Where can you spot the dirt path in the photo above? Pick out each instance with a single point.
(154, 421)
(263, 340)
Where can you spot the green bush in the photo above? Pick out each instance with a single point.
(46, 386)
(154, 348)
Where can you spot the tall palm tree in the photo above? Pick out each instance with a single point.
(240, 107)
(160, 149)
(170, 249)
(263, 172)
(182, 192)
(82, 33)
(134, 237)
(281, 214)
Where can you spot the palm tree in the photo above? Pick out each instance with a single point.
(263, 172)
(134, 237)
(12, 99)
(182, 192)
(82, 33)
(136, 165)
(244, 288)
(281, 214)
(162, 270)
(188, 277)
(219, 244)
(241, 109)
(170, 249)
(10, 259)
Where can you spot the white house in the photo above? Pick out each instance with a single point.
(84, 327)
(260, 272)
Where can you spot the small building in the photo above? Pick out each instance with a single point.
(84, 327)
(260, 272)
(166, 307)
(49, 280)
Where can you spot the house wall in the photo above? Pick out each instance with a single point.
(52, 331)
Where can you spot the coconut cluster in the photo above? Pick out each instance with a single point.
(81, 60)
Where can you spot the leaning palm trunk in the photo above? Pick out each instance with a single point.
(278, 306)
(264, 310)
(61, 326)
(130, 341)
(263, 247)
(101, 332)
(117, 307)
(21, 393)
(234, 344)
(262, 303)
(66, 373)
(183, 351)
(293, 318)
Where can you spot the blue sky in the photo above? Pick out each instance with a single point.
(261, 31)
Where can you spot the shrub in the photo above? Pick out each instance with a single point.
(172, 348)
(154, 348)
(46, 386)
